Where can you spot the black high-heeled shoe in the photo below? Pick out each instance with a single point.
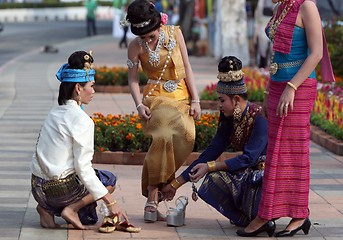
(269, 227)
(289, 233)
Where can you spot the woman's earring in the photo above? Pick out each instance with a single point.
(79, 102)
(237, 112)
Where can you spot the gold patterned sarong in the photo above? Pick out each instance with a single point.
(173, 132)
(171, 127)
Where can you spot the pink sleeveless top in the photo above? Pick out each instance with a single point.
(284, 36)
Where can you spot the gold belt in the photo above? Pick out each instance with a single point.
(61, 187)
(274, 67)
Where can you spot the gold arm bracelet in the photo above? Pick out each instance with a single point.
(111, 204)
(175, 184)
(211, 166)
(292, 85)
(266, 92)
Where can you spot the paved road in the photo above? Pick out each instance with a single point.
(19, 38)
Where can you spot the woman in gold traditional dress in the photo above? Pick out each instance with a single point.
(170, 101)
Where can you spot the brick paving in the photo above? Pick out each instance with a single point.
(29, 90)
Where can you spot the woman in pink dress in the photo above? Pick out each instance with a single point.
(296, 32)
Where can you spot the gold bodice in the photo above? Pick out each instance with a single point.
(175, 69)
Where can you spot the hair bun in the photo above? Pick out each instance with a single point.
(78, 60)
(229, 63)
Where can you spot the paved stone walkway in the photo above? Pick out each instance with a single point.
(29, 90)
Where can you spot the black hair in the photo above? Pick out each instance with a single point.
(77, 60)
(141, 11)
(224, 66)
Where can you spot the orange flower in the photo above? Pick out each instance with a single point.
(102, 149)
(129, 136)
(132, 119)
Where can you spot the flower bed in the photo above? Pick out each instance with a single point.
(124, 133)
(116, 76)
(327, 112)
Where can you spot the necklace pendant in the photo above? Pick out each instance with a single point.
(194, 192)
(170, 86)
(273, 68)
(154, 59)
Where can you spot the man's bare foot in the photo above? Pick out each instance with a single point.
(47, 220)
(72, 217)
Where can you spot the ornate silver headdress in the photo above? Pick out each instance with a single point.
(142, 24)
(126, 22)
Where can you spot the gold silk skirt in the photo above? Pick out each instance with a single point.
(172, 130)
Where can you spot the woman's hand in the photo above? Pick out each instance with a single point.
(285, 102)
(144, 112)
(265, 107)
(195, 110)
(198, 171)
(114, 211)
(168, 192)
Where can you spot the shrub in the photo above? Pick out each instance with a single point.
(116, 76)
(327, 112)
(209, 93)
(124, 133)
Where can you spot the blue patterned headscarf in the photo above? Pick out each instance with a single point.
(74, 75)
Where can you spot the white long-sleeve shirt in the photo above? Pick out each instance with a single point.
(66, 145)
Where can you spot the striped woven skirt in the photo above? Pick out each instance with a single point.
(286, 182)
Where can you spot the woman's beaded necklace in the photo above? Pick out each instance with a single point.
(274, 24)
(170, 46)
(154, 56)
